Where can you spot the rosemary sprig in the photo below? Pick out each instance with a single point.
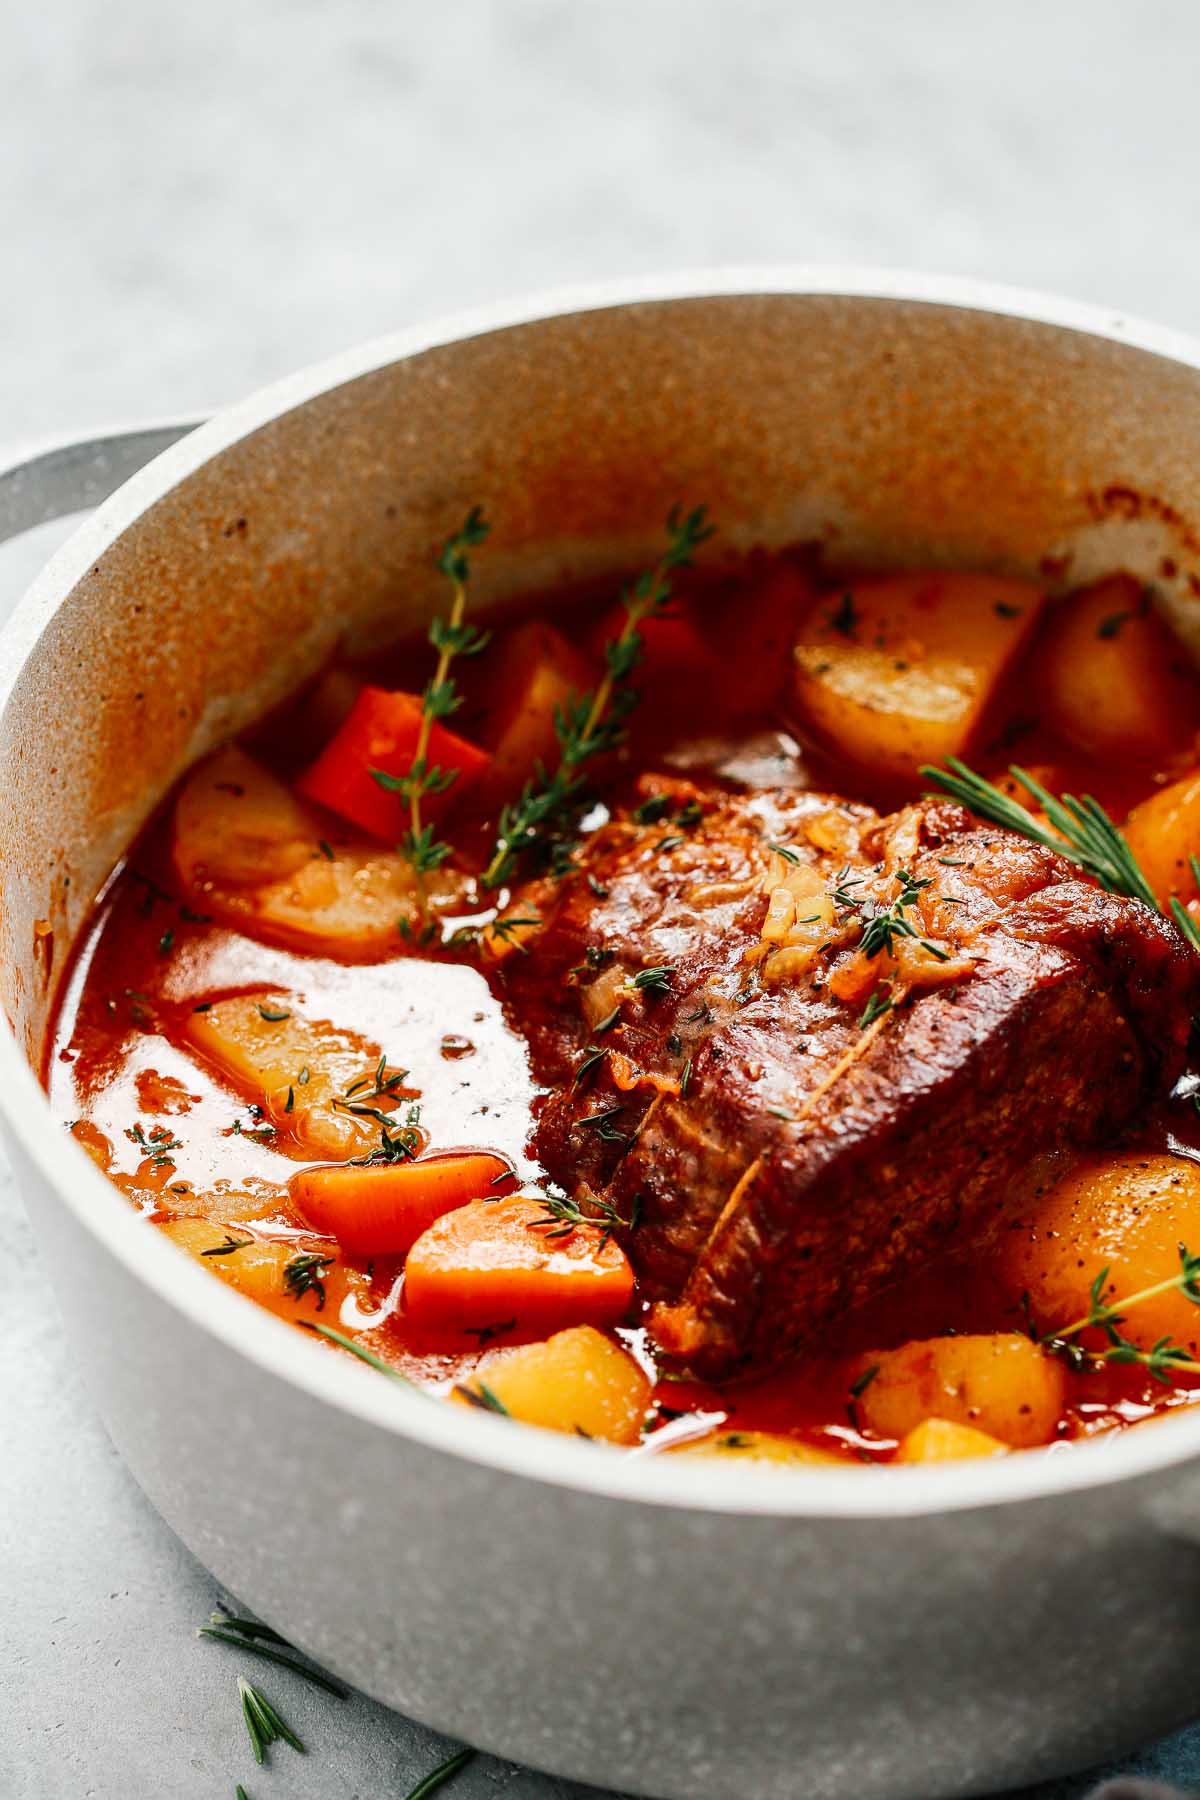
(363, 1354)
(450, 637)
(443, 1773)
(1082, 830)
(594, 723)
(263, 1723)
(258, 1641)
(482, 1396)
(1162, 1359)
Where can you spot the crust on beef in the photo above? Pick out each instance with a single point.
(783, 1159)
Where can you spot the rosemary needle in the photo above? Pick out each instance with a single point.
(273, 1656)
(248, 1628)
(443, 1773)
(264, 1725)
(362, 1353)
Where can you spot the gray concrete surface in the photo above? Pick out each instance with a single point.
(196, 199)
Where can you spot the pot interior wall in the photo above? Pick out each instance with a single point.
(896, 432)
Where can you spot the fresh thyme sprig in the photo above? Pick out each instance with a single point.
(263, 1723)
(1163, 1359)
(656, 981)
(450, 637)
(397, 1143)
(304, 1274)
(160, 1146)
(593, 723)
(882, 925)
(568, 1215)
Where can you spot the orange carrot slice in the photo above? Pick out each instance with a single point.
(382, 1208)
(506, 1259)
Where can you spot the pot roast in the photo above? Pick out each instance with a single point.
(794, 1049)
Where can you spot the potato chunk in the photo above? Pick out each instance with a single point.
(237, 826)
(252, 855)
(1127, 1211)
(761, 1448)
(897, 672)
(1000, 1383)
(578, 1381)
(941, 1440)
(1115, 681)
(1164, 834)
(305, 1074)
(279, 1275)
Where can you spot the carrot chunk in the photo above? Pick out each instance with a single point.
(506, 1259)
(383, 1208)
(380, 732)
(536, 675)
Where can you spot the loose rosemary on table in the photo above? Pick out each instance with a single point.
(594, 723)
(263, 1723)
(450, 637)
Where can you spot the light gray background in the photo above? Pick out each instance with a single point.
(195, 199)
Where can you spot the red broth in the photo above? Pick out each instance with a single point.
(199, 1157)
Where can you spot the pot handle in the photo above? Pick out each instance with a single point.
(76, 476)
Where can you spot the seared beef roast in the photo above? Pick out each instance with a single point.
(797, 1048)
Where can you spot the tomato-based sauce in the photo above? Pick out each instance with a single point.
(256, 1001)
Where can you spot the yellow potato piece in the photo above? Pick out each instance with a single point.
(259, 1269)
(1127, 1211)
(1164, 832)
(1000, 1383)
(577, 1381)
(236, 824)
(760, 1447)
(249, 853)
(942, 1440)
(896, 672)
(1114, 679)
(303, 1073)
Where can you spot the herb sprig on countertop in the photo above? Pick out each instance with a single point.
(1080, 830)
(263, 1641)
(450, 637)
(594, 723)
(1164, 1358)
(441, 1775)
(263, 1723)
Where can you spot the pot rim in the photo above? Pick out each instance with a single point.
(275, 1348)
